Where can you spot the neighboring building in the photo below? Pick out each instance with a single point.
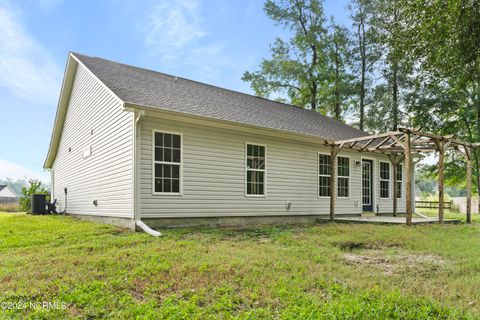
(131, 144)
(7, 192)
(7, 195)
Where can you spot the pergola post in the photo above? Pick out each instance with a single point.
(408, 178)
(333, 173)
(468, 156)
(441, 179)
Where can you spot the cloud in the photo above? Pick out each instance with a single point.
(176, 32)
(15, 171)
(174, 24)
(26, 68)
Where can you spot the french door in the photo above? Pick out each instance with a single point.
(367, 185)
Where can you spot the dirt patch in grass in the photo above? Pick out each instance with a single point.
(349, 246)
(395, 263)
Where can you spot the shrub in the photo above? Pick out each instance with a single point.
(33, 187)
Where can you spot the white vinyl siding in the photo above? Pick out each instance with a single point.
(95, 155)
(213, 167)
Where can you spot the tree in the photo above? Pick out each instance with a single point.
(366, 51)
(34, 187)
(297, 66)
(341, 87)
(396, 68)
(442, 36)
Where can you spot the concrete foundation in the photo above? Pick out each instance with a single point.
(164, 223)
(169, 223)
(119, 222)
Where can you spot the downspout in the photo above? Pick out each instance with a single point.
(138, 222)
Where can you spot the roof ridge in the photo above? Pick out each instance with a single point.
(283, 104)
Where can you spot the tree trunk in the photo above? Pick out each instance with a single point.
(468, 154)
(477, 174)
(363, 62)
(337, 89)
(395, 95)
(313, 98)
(441, 179)
(476, 153)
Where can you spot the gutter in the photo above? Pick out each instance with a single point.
(138, 222)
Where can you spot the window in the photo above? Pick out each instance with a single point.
(384, 180)
(167, 162)
(256, 166)
(343, 177)
(399, 180)
(324, 172)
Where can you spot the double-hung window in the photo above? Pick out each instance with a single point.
(324, 172)
(384, 180)
(399, 180)
(167, 162)
(255, 170)
(343, 177)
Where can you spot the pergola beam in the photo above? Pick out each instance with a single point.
(404, 143)
(436, 137)
(365, 138)
(382, 142)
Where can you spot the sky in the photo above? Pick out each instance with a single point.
(212, 41)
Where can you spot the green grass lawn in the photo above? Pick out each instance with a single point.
(326, 271)
(448, 214)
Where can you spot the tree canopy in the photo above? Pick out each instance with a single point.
(397, 63)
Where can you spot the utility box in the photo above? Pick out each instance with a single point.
(38, 203)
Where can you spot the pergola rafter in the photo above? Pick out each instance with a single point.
(402, 145)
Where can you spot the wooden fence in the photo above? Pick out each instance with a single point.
(8, 200)
(447, 205)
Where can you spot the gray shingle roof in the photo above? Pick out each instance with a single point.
(158, 90)
(2, 186)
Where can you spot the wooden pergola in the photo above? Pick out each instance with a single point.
(402, 145)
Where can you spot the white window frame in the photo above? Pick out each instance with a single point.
(380, 179)
(180, 193)
(400, 182)
(346, 177)
(322, 175)
(264, 195)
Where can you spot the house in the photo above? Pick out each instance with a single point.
(7, 192)
(131, 144)
(8, 195)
